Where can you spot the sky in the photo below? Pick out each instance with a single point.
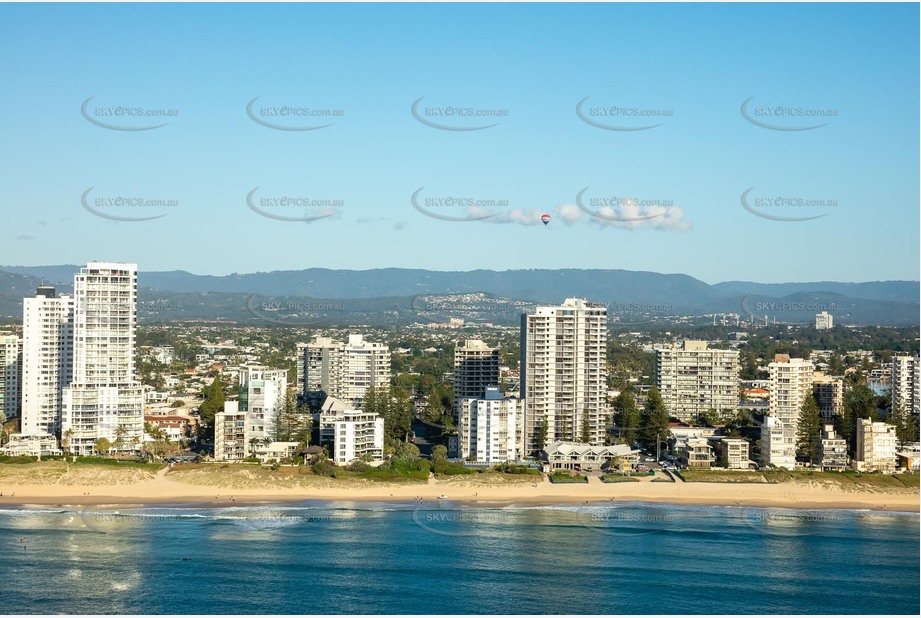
(753, 142)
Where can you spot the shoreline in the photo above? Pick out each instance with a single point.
(167, 493)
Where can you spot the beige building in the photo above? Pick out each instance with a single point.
(877, 447)
(328, 368)
(790, 385)
(351, 434)
(829, 395)
(824, 321)
(476, 367)
(564, 372)
(693, 379)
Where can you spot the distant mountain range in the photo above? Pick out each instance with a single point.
(317, 296)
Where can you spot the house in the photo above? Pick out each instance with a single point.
(571, 456)
(696, 454)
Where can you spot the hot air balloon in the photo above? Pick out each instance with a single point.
(545, 218)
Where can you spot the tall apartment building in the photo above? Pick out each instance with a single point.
(327, 368)
(906, 390)
(829, 395)
(790, 385)
(103, 399)
(262, 396)
(488, 428)
(231, 434)
(563, 372)
(10, 374)
(778, 443)
(476, 367)
(693, 379)
(824, 321)
(877, 447)
(47, 359)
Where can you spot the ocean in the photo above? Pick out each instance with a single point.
(421, 558)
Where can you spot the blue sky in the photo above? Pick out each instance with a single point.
(680, 184)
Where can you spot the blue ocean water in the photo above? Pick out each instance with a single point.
(348, 557)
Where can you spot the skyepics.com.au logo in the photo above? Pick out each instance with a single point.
(617, 208)
(278, 206)
(791, 521)
(450, 117)
(755, 308)
(292, 117)
(125, 207)
(126, 117)
(779, 207)
(444, 520)
(786, 117)
(476, 307)
(619, 117)
(626, 520)
(457, 207)
(635, 313)
(293, 311)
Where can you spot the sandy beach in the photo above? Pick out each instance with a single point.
(71, 485)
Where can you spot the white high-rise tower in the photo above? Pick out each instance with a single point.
(47, 359)
(563, 373)
(104, 399)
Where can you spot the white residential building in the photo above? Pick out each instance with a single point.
(262, 397)
(693, 379)
(104, 400)
(231, 435)
(790, 385)
(47, 359)
(41, 445)
(824, 321)
(353, 434)
(488, 428)
(735, 453)
(327, 368)
(570, 456)
(778, 443)
(831, 450)
(877, 447)
(564, 372)
(906, 385)
(10, 374)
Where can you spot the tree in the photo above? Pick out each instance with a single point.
(585, 435)
(120, 432)
(906, 427)
(102, 446)
(2, 423)
(406, 451)
(858, 403)
(439, 457)
(627, 416)
(654, 420)
(808, 428)
(212, 404)
(542, 430)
